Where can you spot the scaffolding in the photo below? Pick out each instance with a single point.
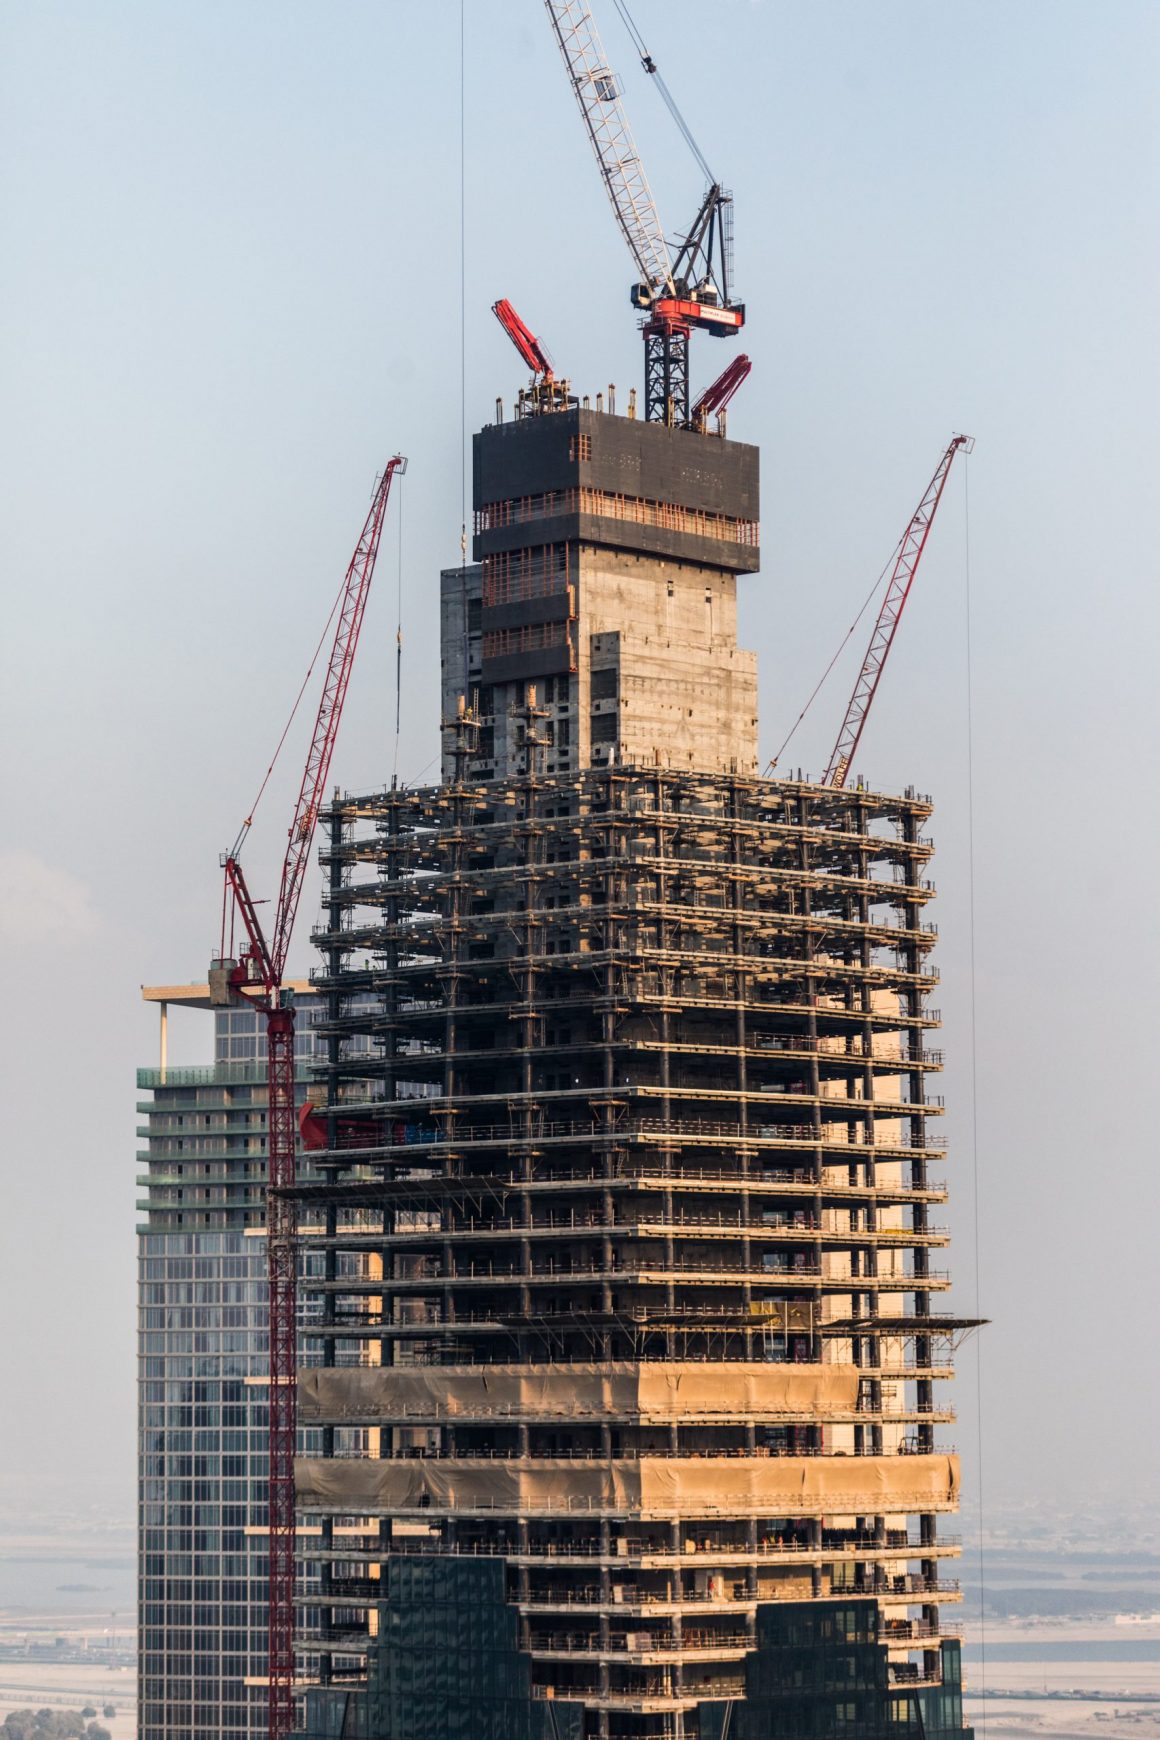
(621, 1264)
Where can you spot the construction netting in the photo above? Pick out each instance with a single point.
(370, 1395)
(651, 1486)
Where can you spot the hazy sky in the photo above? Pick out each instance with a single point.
(230, 276)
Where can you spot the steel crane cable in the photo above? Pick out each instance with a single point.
(974, 1066)
(463, 342)
(842, 644)
(399, 644)
(249, 821)
(650, 67)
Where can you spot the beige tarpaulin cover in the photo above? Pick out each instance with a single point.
(367, 1394)
(693, 1487)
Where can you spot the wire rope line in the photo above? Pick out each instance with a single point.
(253, 810)
(398, 640)
(413, 784)
(650, 67)
(463, 338)
(973, 1066)
(870, 596)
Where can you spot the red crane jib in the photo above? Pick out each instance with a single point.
(524, 339)
(258, 978)
(886, 626)
(715, 398)
(317, 769)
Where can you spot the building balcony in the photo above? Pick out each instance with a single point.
(203, 1075)
(639, 1649)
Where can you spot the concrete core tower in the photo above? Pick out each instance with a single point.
(609, 551)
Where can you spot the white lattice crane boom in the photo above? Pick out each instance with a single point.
(598, 94)
(681, 289)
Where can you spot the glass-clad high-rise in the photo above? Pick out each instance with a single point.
(202, 1344)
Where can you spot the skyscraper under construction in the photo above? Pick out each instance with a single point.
(624, 1347)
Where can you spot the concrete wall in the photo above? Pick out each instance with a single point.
(648, 609)
(686, 694)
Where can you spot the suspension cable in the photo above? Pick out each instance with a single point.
(398, 641)
(253, 810)
(650, 67)
(974, 1091)
(841, 648)
(463, 343)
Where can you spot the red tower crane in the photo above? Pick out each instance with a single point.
(258, 980)
(886, 627)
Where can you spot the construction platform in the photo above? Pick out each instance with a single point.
(624, 1272)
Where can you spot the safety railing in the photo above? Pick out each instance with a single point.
(532, 1130)
(637, 510)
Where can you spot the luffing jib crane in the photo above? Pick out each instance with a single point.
(681, 290)
(886, 626)
(257, 979)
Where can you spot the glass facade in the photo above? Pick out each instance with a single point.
(203, 1351)
(203, 1468)
(447, 1664)
(448, 1667)
(824, 1671)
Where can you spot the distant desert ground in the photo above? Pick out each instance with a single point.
(1024, 1718)
(33, 1685)
(998, 1719)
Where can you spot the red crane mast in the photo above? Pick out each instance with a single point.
(886, 627)
(257, 979)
